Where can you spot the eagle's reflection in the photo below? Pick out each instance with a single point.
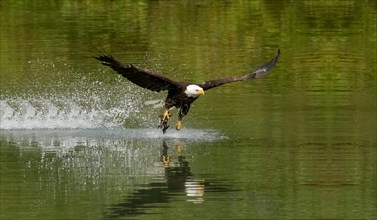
(178, 183)
(178, 176)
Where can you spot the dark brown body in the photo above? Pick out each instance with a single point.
(177, 98)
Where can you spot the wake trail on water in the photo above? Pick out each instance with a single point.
(66, 118)
(69, 102)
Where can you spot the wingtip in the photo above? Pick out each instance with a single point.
(97, 57)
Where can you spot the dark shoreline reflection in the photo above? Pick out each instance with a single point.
(178, 181)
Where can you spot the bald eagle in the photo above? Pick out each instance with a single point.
(180, 94)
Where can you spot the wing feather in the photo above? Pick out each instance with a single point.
(258, 73)
(142, 77)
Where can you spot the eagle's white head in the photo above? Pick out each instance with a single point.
(194, 91)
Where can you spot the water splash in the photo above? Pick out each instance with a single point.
(111, 134)
(59, 96)
(42, 113)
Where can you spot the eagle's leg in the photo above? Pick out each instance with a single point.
(164, 121)
(179, 124)
(182, 113)
(165, 116)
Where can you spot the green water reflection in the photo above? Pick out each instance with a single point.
(297, 144)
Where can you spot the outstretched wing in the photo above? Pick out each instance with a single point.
(258, 73)
(141, 77)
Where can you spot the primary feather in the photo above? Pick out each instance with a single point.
(258, 73)
(141, 77)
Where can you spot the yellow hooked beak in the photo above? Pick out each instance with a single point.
(201, 92)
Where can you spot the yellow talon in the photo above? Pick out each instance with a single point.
(179, 125)
(165, 116)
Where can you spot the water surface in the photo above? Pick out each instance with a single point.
(78, 142)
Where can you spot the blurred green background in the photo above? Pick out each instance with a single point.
(78, 142)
